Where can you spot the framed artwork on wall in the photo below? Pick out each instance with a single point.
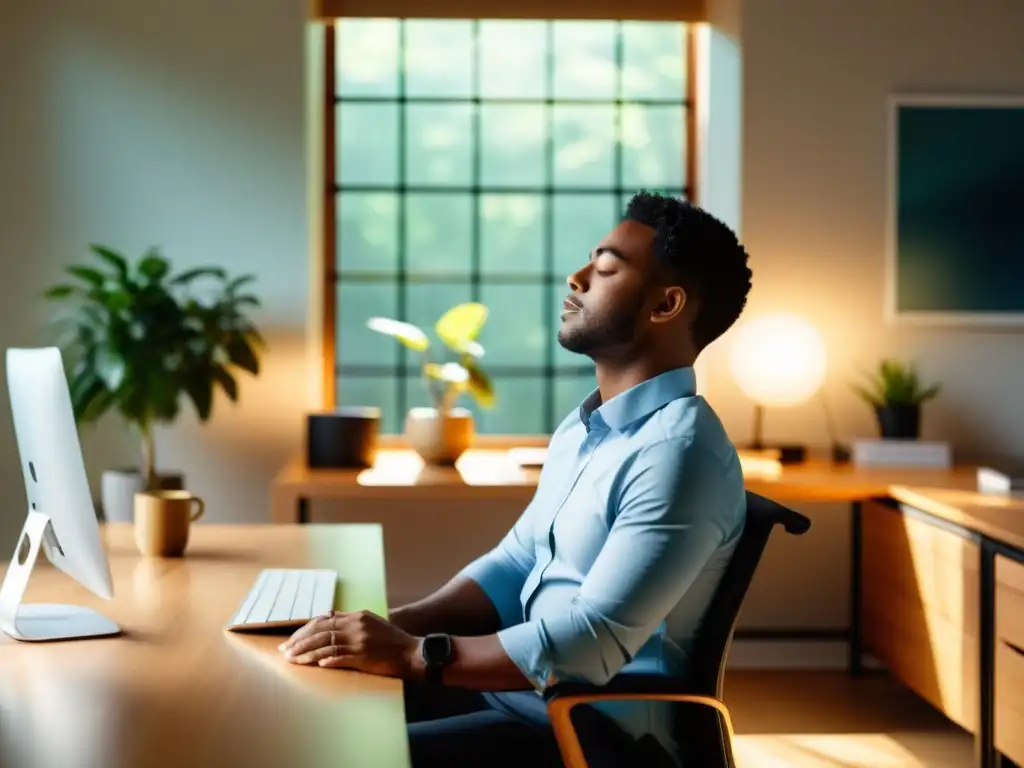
(955, 211)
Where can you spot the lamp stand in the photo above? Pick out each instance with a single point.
(757, 445)
(788, 453)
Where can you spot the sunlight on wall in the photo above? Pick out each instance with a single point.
(130, 136)
(719, 102)
(231, 460)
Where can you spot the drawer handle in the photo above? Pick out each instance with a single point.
(1015, 648)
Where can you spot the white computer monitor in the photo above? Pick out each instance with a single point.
(61, 519)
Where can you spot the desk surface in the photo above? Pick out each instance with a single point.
(177, 690)
(1001, 518)
(491, 473)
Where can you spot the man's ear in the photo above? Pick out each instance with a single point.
(670, 305)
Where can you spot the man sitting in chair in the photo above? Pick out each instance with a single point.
(638, 509)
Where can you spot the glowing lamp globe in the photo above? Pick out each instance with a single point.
(778, 360)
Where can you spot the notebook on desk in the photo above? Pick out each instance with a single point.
(285, 598)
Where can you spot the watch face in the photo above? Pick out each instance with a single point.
(436, 649)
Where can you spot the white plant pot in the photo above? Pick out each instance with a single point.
(119, 486)
(439, 439)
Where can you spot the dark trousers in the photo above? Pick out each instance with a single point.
(455, 727)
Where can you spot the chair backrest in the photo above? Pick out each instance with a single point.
(711, 646)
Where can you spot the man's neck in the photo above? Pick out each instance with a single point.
(615, 378)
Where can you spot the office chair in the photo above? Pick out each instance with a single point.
(703, 726)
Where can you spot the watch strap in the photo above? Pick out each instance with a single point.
(434, 674)
(437, 651)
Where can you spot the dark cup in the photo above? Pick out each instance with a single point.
(342, 439)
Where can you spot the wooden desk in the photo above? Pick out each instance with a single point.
(176, 690)
(1000, 518)
(942, 601)
(493, 473)
(490, 474)
(400, 475)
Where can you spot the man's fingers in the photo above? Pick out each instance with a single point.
(299, 634)
(315, 655)
(311, 627)
(341, 661)
(324, 633)
(311, 643)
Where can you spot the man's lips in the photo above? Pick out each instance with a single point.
(571, 305)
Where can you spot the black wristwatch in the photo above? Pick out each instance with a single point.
(437, 651)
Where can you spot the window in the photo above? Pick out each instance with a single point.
(480, 160)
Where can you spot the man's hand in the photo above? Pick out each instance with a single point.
(362, 641)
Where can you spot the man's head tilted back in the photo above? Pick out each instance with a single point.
(667, 281)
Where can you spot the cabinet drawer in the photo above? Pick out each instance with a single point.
(1009, 659)
(1010, 600)
(919, 603)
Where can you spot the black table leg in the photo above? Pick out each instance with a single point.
(984, 751)
(855, 586)
(303, 510)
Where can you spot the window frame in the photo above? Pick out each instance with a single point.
(322, 155)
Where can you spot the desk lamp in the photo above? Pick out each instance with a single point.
(778, 360)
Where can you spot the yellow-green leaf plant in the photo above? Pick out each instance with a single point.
(446, 380)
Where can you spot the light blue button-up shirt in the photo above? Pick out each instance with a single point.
(613, 564)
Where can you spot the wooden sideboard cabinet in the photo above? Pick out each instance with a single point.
(920, 606)
(1008, 728)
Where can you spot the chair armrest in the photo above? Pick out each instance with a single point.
(621, 684)
(562, 697)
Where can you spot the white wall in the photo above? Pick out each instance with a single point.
(816, 77)
(173, 124)
(719, 104)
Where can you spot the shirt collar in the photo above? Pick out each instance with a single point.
(639, 401)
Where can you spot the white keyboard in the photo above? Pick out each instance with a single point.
(286, 597)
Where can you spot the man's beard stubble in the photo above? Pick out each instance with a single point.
(589, 334)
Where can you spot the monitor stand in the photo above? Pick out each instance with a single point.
(39, 622)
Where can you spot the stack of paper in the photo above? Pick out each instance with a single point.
(902, 453)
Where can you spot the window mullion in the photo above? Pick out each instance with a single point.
(475, 254)
(617, 138)
(401, 283)
(550, 297)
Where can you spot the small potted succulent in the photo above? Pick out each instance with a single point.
(442, 433)
(896, 394)
(137, 338)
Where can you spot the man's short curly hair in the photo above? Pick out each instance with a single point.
(703, 254)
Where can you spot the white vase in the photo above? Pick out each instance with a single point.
(119, 486)
(439, 439)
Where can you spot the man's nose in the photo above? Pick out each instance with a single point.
(578, 280)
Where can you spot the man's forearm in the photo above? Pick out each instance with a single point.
(480, 664)
(460, 607)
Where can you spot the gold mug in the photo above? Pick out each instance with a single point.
(163, 519)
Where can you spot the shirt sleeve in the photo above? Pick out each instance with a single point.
(678, 504)
(502, 572)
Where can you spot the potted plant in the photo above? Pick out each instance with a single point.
(440, 434)
(896, 394)
(135, 338)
